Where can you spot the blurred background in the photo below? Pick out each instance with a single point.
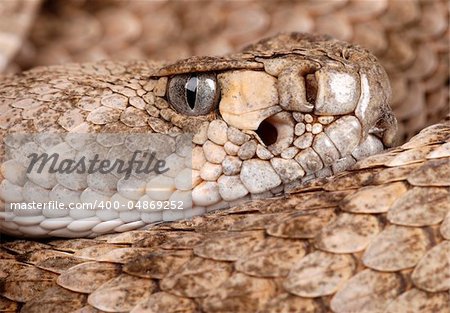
(411, 38)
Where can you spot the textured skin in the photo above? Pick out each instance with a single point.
(254, 257)
(367, 254)
(410, 38)
(263, 84)
(17, 18)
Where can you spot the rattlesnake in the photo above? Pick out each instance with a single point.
(369, 253)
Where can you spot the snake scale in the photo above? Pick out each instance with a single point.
(308, 237)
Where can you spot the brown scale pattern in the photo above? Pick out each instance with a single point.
(411, 38)
(377, 237)
(373, 239)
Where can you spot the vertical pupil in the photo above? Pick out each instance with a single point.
(191, 91)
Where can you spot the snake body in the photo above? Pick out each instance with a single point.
(291, 108)
(376, 237)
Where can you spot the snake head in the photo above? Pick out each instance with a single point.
(285, 110)
(309, 98)
(282, 112)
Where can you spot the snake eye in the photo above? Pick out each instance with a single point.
(193, 94)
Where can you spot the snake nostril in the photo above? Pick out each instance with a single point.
(267, 132)
(311, 88)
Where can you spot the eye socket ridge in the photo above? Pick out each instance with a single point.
(193, 94)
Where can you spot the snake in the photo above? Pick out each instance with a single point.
(292, 202)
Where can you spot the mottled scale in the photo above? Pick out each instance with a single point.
(126, 290)
(348, 233)
(366, 200)
(87, 277)
(165, 302)
(397, 248)
(260, 291)
(272, 257)
(431, 273)
(24, 284)
(55, 298)
(201, 275)
(228, 247)
(367, 291)
(305, 224)
(420, 206)
(432, 173)
(307, 277)
(157, 265)
(416, 300)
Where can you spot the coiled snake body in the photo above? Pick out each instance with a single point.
(371, 239)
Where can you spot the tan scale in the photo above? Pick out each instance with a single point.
(411, 41)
